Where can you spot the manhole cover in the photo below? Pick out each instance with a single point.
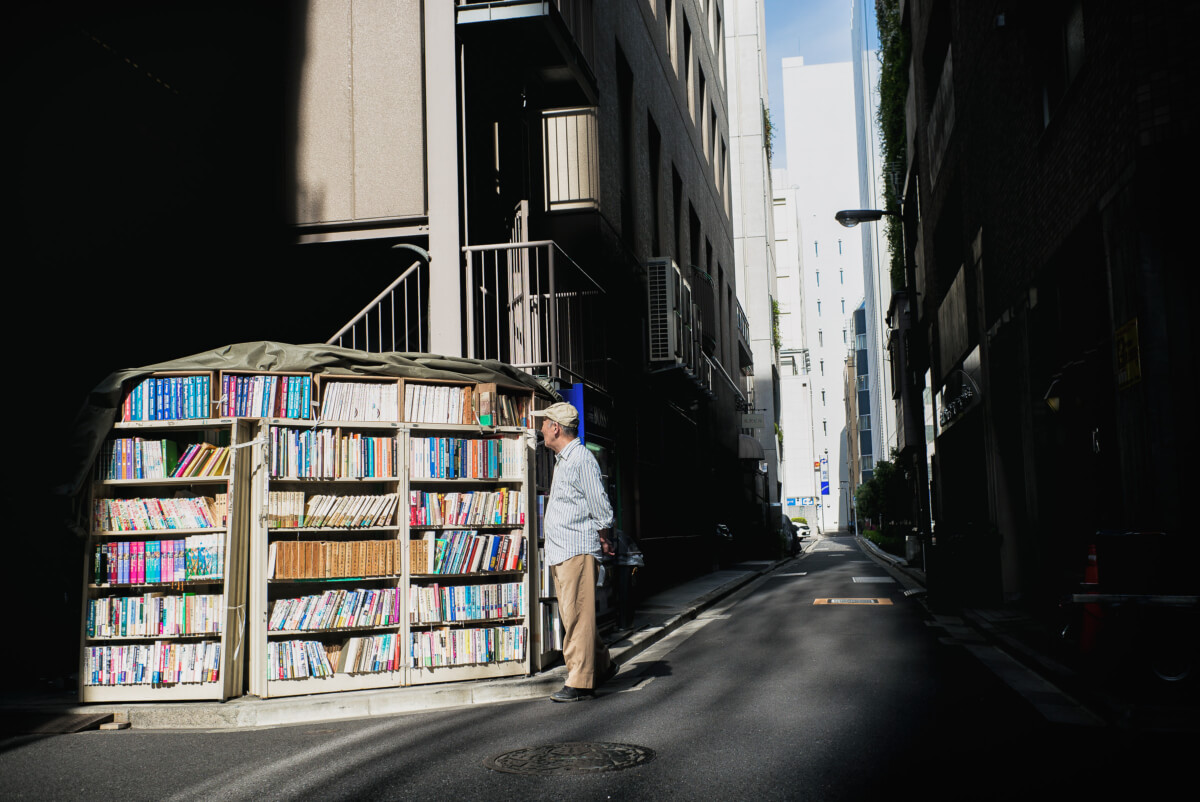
(570, 758)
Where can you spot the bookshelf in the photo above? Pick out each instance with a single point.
(469, 552)
(269, 546)
(263, 394)
(164, 581)
(339, 505)
(326, 594)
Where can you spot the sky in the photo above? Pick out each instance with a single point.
(818, 30)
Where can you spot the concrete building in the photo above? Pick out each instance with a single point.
(877, 285)
(823, 167)
(801, 485)
(1045, 148)
(576, 215)
(753, 236)
(268, 169)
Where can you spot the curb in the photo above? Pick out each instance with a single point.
(252, 712)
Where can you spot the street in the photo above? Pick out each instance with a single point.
(765, 696)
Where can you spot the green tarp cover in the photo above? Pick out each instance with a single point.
(102, 408)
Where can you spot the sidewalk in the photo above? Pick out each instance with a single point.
(1033, 643)
(656, 617)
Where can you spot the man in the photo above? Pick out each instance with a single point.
(578, 530)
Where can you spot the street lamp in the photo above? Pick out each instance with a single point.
(914, 398)
(852, 217)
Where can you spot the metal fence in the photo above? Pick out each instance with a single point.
(532, 306)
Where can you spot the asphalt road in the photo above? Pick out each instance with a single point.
(766, 696)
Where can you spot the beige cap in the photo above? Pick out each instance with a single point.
(561, 413)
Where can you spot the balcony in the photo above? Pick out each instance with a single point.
(745, 353)
(530, 305)
(550, 39)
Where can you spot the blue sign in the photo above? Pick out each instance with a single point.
(573, 395)
(824, 488)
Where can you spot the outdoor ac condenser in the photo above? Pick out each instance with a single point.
(665, 290)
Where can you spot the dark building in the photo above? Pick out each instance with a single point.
(1048, 144)
(185, 179)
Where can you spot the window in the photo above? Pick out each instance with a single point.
(841, 272)
(822, 367)
(839, 249)
(820, 337)
(860, 341)
(843, 306)
(864, 423)
(670, 15)
(818, 308)
(1062, 54)
(720, 47)
(822, 398)
(844, 340)
(862, 382)
(868, 462)
(818, 278)
(654, 145)
(689, 81)
(816, 249)
(569, 140)
(825, 427)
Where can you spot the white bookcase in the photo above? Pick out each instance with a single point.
(276, 580)
(153, 631)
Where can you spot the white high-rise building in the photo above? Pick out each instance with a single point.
(877, 285)
(752, 219)
(800, 480)
(822, 159)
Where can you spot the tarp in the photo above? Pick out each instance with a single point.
(95, 420)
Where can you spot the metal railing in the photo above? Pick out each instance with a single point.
(530, 305)
(397, 319)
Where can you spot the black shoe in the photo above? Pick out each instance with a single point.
(569, 694)
(611, 672)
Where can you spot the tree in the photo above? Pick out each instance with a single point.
(885, 497)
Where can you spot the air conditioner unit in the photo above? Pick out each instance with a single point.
(665, 290)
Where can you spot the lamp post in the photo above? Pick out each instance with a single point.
(912, 391)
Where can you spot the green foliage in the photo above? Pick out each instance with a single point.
(885, 497)
(800, 520)
(776, 340)
(887, 541)
(894, 50)
(768, 132)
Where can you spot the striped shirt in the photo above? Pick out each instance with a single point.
(578, 507)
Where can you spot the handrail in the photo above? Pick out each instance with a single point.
(378, 299)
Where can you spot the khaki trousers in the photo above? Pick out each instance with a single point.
(584, 653)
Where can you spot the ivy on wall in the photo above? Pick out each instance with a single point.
(894, 50)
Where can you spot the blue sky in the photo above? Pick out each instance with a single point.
(818, 30)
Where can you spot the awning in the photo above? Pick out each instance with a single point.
(749, 448)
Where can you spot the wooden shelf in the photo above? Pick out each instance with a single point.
(131, 638)
(156, 532)
(179, 482)
(291, 633)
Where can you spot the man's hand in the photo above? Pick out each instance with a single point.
(607, 546)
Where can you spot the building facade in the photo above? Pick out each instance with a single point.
(801, 466)
(753, 223)
(823, 167)
(872, 172)
(1041, 205)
